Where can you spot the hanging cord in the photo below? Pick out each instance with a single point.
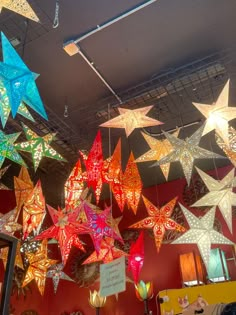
(56, 17)
(109, 152)
(26, 22)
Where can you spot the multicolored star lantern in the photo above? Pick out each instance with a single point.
(18, 258)
(158, 150)
(159, 220)
(56, 273)
(19, 81)
(65, 229)
(136, 257)
(230, 149)
(186, 151)
(131, 119)
(107, 252)
(38, 266)
(21, 7)
(220, 194)
(2, 172)
(132, 184)
(23, 186)
(202, 233)
(5, 107)
(7, 149)
(100, 225)
(33, 211)
(218, 115)
(8, 224)
(38, 146)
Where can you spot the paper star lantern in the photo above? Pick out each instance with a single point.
(56, 273)
(132, 184)
(220, 194)
(158, 150)
(2, 172)
(101, 226)
(65, 230)
(38, 146)
(19, 81)
(159, 220)
(186, 151)
(107, 252)
(218, 115)
(136, 257)
(8, 224)
(5, 107)
(38, 265)
(18, 259)
(230, 149)
(33, 211)
(23, 187)
(21, 7)
(7, 149)
(202, 233)
(132, 119)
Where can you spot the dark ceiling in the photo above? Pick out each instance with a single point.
(168, 54)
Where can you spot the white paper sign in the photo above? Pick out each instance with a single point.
(112, 277)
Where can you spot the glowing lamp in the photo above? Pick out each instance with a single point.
(191, 269)
(96, 300)
(218, 269)
(144, 292)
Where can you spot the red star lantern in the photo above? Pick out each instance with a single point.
(136, 257)
(159, 220)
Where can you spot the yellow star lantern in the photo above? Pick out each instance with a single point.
(218, 115)
(38, 266)
(131, 119)
(220, 194)
(202, 233)
(158, 150)
(21, 7)
(230, 149)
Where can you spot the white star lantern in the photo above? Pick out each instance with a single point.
(202, 233)
(220, 194)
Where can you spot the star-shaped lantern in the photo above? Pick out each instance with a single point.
(202, 233)
(65, 229)
(38, 146)
(8, 224)
(220, 194)
(230, 149)
(7, 149)
(186, 151)
(56, 273)
(2, 172)
(18, 80)
(136, 257)
(5, 107)
(38, 266)
(23, 187)
(132, 184)
(158, 150)
(100, 225)
(107, 252)
(18, 258)
(131, 119)
(159, 220)
(33, 211)
(218, 115)
(21, 7)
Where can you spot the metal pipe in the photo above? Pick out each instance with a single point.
(114, 20)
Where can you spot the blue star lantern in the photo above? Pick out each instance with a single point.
(19, 81)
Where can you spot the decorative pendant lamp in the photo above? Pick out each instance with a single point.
(96, 300)
(218, 269)
(144, 292)
(191, 267)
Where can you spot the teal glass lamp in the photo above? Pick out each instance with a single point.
(218, 269)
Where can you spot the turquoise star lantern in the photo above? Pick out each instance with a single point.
(19, 81)
(7, 149)
(38, 146)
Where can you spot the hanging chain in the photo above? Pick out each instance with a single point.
(56, 18)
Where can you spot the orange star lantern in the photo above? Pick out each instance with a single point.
(18, 258)
(159, 220)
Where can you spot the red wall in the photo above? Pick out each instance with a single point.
(162, 268)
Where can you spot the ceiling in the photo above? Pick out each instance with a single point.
(168, 54)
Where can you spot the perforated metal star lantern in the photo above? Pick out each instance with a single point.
(202, 233)
(38, 146)
(159, 220)
(186, 151)
(230, 149)
(2, 172)
(8, 222)
(131, 119)
(21, 7)
(38, 266)
(56, 273)
(220, 194)
(136, 257)
(218, 115)
(19, 81)
(158, 150)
